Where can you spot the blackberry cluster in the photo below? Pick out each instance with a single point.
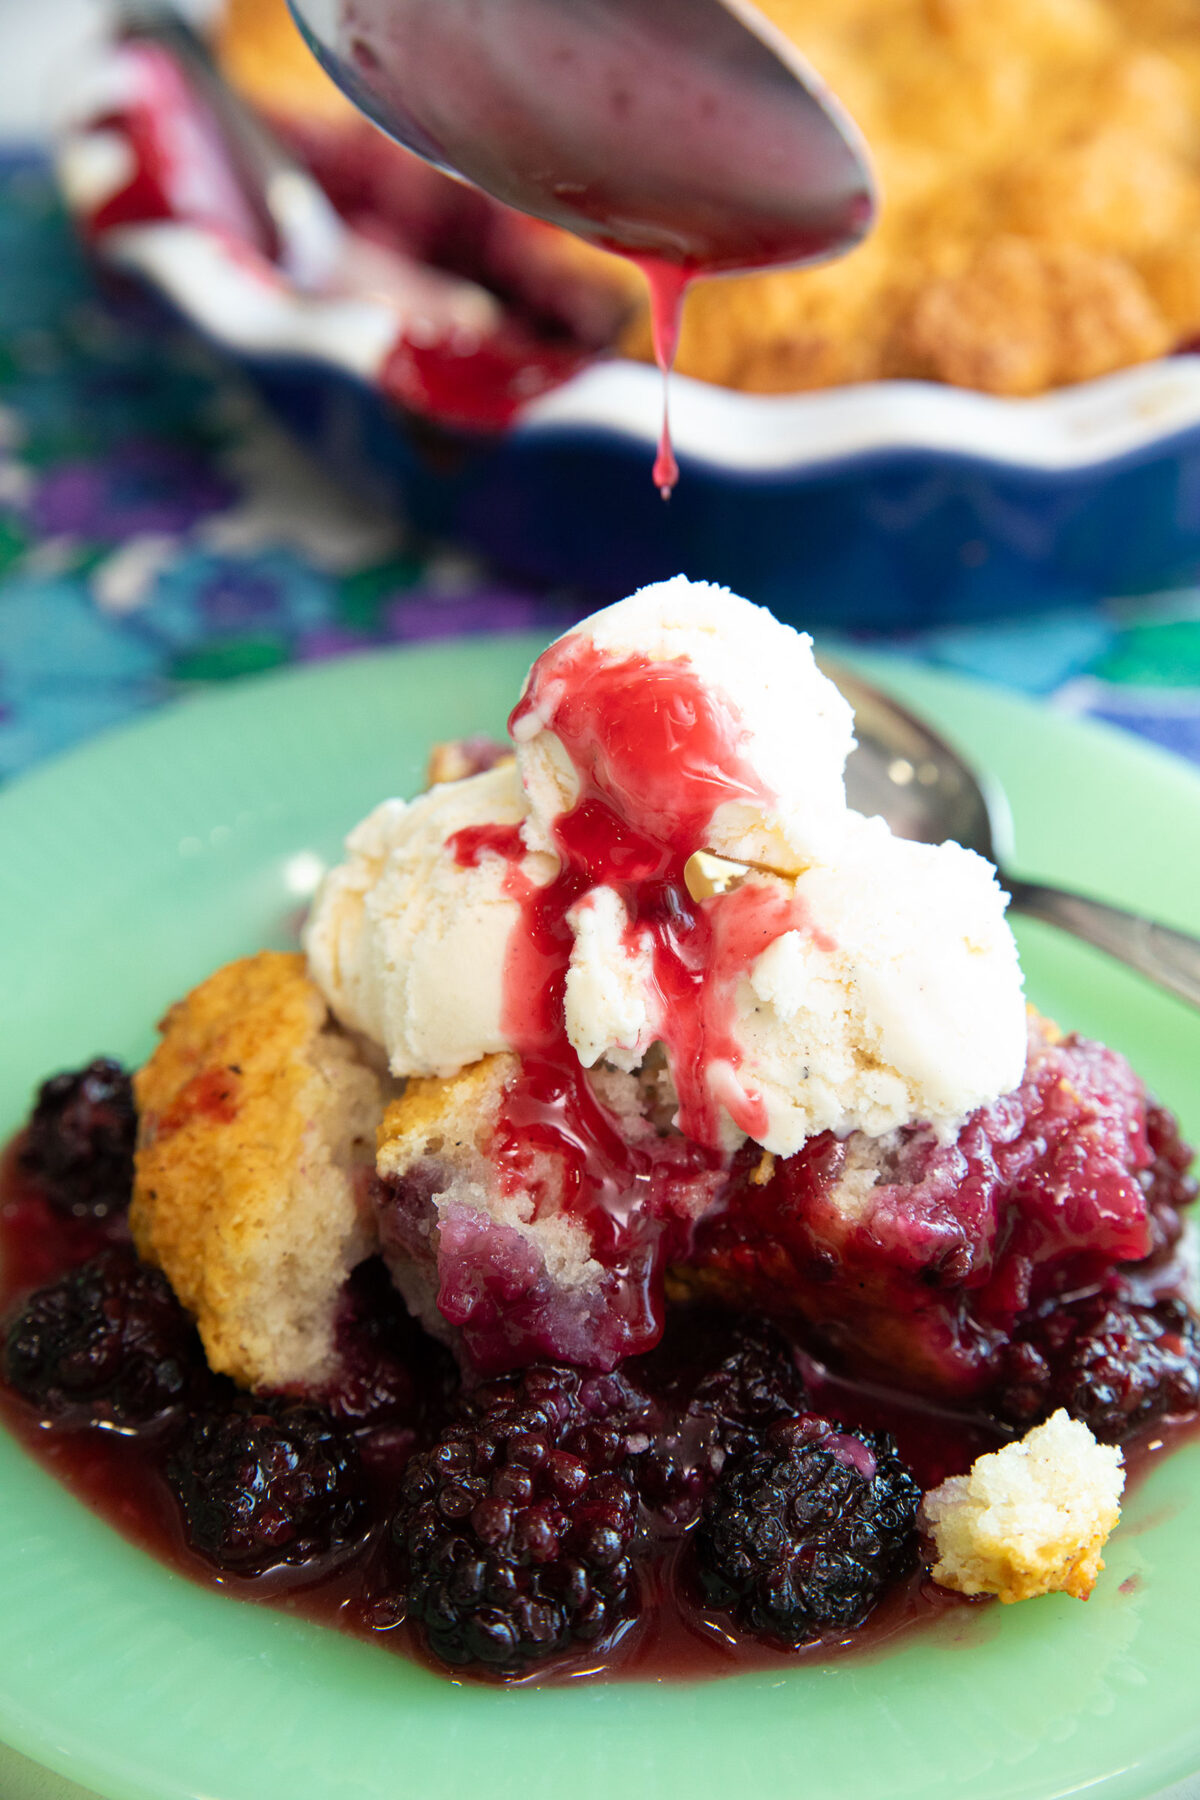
(1115, 1364)
(80, 1140)
(514, 1530)
(106, 1342)
(261, 1485)
(804, 1530)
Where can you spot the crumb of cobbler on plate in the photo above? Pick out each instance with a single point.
(1031, 1518)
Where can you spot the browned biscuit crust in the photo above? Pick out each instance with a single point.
(257, 1120)
(1040, 190)
(1039, 168)
(452, 1119)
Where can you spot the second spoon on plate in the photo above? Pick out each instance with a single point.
(913, 778)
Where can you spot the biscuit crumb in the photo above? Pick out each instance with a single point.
(458, 758)
(1031, 1518)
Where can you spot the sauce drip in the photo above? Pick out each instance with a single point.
(668, 284)
(677, 137)
(656, 754)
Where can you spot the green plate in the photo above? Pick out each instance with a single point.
(130, 870)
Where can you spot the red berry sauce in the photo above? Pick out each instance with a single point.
(657, 754)
(1046, 1191)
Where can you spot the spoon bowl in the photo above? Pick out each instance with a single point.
(688, 132)
(904, 771)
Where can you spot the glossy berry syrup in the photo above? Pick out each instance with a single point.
(668, 284)
(656, 754)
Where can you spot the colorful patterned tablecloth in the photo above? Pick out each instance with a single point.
(158, 531)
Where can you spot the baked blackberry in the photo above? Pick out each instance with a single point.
(107, 1342)
(264, 1484)
(804, 1531)
(753, 1386)
(514, 1530)
(1111, 1362)
(1168, 1182)
(80, 1140)
(390, 1371)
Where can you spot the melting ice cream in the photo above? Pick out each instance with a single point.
(831, 977)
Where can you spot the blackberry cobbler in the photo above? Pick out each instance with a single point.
(644, 1225)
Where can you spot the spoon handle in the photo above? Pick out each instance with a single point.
(1172, 958)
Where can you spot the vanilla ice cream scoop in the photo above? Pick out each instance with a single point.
(896, 996)
(843, 980)
(407, 938)
(859, 996)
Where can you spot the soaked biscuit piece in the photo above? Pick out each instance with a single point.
(464, 1246)
(255, 1151)
(517, 1238)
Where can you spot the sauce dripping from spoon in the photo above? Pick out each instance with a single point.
(688, 135)
(668, 284)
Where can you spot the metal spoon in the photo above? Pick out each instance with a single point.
(681, 131)
(904, 771)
